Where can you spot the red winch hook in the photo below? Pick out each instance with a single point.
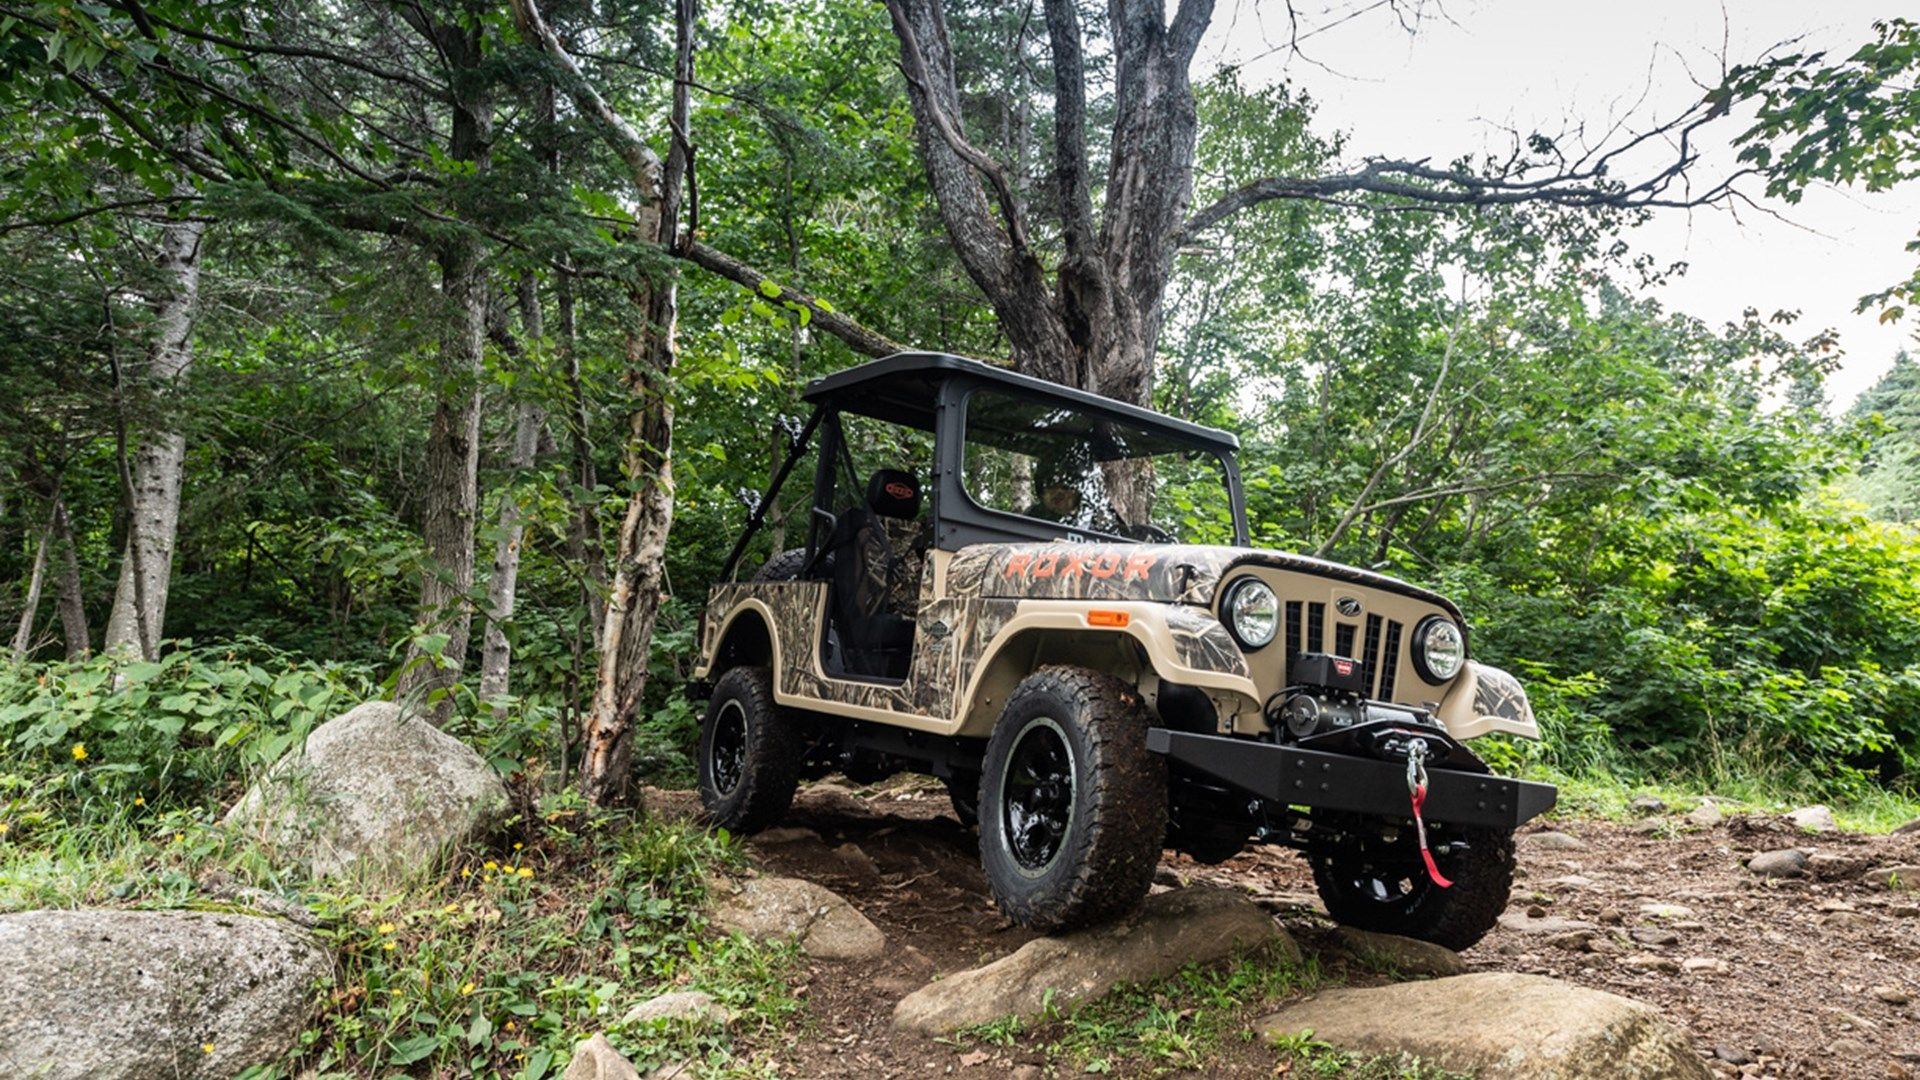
(1417, 792)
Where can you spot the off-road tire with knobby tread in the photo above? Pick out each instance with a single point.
(1408, 902)
(750, 785)
(1103, 861)
(784, 566)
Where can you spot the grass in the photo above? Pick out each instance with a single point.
(1304, 1055)
(1603, 795)
(496, 964)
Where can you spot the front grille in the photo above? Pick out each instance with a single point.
(1390, 669)
(1306, 631)
(1370, 653)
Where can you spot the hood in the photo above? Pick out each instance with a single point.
(1168, 573)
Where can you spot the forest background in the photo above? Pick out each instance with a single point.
(439, 349)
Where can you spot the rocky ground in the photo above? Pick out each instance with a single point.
(1809, 972)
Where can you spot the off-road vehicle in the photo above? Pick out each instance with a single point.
(1049, 600)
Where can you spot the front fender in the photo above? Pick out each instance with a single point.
(1486, 699)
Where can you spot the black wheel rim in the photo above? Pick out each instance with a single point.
(1036, 796)
(727, 754)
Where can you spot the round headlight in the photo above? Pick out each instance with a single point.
(1253, 612)
(1439, 649)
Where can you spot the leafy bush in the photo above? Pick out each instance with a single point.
(88, 740)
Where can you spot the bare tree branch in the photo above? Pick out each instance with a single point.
(858, 337)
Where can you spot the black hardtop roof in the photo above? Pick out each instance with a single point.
(904, 389)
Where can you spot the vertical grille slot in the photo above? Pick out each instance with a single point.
(1293, 637)
(1316, 628)
(1343, 639)
(1370, 655)
(1390, 668)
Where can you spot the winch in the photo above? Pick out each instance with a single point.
(1328, 694)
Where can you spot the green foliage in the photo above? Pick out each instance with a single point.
(1315, 1057)
(93, 741)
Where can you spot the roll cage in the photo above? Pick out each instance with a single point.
(928, 392)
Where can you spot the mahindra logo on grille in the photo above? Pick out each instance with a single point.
(1348, 605)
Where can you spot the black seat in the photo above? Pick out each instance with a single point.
(875, 576)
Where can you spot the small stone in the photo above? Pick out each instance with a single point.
(1549, 925)
(1552, 841)
(786, 834)
(1853, 1020)
(1666, 911)
(1704, 965)
(1572, 881)
(1816, 819)
(681, 1005)
(1892, 995)
(1847, 1049)
(1612, 917)
(1829, 867)
(1408, 956)
(1706, 815)
(1785, 863)
(1650, 962)
(1572, 941)
(1647, 804)
(1535, 911)
(1897, 1071)
(1732, 1055)
(1904, 911)
(1893, 877)
(596, 1059)
(1649, 935)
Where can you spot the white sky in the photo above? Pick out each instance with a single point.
(1537, 64)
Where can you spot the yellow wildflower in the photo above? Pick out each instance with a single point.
(467, 988)
(4, 827)
(508, 1025)
(388, 946)
(206, 1048)
(526, 871)
(466, 871)
(139, 801)
(386, 928)
(491, 865)
(452, 909)
(516, 847)
(79, 751)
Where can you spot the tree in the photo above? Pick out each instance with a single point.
(1080, 291)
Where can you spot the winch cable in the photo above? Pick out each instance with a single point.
(1417, 793)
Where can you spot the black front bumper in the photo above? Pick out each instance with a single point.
(1292, 776)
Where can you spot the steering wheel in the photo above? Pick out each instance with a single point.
(1147, 532)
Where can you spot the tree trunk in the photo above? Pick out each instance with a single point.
(633, 602)
(140, 602)
(73, 608)
(496, 654)
(23, 637)
(453, 442)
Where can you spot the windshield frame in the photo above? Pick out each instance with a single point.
(965, 521)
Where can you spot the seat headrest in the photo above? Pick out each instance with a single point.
(894, 493)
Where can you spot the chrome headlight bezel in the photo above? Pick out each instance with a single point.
(1439, 649)
(1250, 603)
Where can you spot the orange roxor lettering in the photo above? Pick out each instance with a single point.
(1106, 564)
(1139, 566)
(1043, 567)
(1017, 564)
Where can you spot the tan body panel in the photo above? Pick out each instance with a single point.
(975, 643)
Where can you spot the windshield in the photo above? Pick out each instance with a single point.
(1053, 463)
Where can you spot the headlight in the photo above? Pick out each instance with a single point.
(1438, 649)
(1253, 612)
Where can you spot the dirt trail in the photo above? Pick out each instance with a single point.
(1794, 978)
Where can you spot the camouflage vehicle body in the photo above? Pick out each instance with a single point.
(1006, 602)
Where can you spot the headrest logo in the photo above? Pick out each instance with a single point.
(899, 490)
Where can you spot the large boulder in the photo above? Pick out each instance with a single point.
(373, 791)
(103, 995)
(1499, 1026)
(827, 927)
(1169, 931)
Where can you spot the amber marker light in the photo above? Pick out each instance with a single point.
(1108, 618)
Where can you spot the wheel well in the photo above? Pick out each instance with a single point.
(1113, 653)
(747, 641)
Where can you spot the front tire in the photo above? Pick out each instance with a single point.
(1073, 806)
(1385, 888)
(749, 755)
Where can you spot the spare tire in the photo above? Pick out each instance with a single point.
(784, 566)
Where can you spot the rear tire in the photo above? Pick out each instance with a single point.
(1387, 890)
(1073, 806)
(749, 755)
